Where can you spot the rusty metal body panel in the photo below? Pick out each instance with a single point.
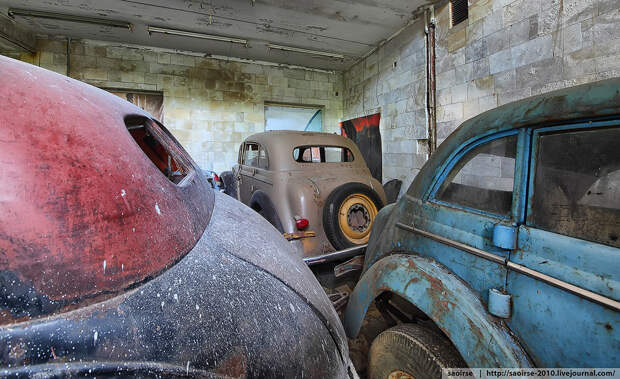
(80, 204)
(554, 280)
(107, 266)
(447, 300)
(301, 189)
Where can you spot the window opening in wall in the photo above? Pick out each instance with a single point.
(152, 102)
(458, 11)
(284, 117)
(158, 147)
(322, 154)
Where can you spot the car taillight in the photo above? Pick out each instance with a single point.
(217, 178)
(301, 223)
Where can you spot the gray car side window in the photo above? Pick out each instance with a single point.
(483, 178)
(250, 154)
(263, 160)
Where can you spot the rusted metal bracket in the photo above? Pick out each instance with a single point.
(339, 300)
(336, 255)
(299, 235)
(354, 264)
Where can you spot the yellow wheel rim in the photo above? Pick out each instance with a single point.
(355, 217)
(400, 375)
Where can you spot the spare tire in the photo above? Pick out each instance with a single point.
(349, 213)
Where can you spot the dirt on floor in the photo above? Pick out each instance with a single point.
(374, 322)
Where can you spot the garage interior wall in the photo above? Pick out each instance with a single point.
(505, 51)
(392, 81)
(211, 105)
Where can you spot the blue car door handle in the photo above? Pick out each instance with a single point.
(505, 236)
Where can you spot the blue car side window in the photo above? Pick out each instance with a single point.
(577, 184)
(483, 178)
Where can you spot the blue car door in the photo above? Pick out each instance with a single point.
(471, 197)
(565, 272)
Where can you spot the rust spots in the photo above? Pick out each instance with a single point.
(411, 281)
(95, 306)
(411, 263)
(235, 366)
(384, 288)
(475, 331)
(337, 16)
(17, 351)
(438, 295)
(608, 327)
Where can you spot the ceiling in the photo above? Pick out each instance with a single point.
(348, 27)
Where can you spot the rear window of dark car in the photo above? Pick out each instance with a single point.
(322, 154)
(160, 147)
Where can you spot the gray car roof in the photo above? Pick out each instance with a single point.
(281, 143)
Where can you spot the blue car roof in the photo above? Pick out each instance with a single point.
(584, 102)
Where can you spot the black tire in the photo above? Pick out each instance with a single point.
(412, 349)
(261, 203)
(330, 212)
(230, 183)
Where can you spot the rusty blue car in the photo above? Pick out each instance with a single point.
(505, 249)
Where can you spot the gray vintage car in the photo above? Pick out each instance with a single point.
(315, 188)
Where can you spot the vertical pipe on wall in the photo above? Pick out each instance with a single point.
(68, 56)
(431, 92)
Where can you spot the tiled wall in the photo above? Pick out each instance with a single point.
(392, 81)
(209, 105)
(506, 50)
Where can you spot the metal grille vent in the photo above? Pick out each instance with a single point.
(458, 10)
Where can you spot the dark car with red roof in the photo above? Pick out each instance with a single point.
(118, 259)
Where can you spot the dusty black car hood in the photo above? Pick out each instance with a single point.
(256, 241)
(236, 305)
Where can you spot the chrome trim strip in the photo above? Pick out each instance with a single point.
(336, 255)
(583, 293)
(588, 295)
(461, 246)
